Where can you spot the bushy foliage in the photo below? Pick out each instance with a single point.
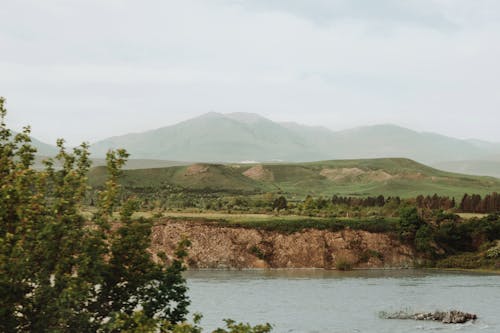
(280, 203)
(461, 236)
(494, 252)
(424, 239)
(343, 265)
(60, 273)
(409, 223)
(233, 327)
(332, 224)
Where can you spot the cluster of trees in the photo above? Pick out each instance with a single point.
(476, 204)
(435, 202)
(449, 235)
(378, 201)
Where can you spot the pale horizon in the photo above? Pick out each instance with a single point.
(88, 70)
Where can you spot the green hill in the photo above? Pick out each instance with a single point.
(387, 176)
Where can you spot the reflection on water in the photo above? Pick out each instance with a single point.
(332, 301)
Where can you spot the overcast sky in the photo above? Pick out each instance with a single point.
(89, 69)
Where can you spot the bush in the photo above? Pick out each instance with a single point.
(343, 265)
(424, 239)
(256, 251)
(409, 223)
(494, 252)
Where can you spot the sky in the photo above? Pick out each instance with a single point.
(86, 70)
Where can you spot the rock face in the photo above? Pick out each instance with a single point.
(231, 247)
(447, 317)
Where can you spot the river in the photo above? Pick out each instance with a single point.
(343, 302)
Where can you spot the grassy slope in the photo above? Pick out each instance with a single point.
(473, 167)
(387, 176)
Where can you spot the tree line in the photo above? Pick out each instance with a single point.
(474, 203)
(378, 201)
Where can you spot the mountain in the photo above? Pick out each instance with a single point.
(215, 137)
(394, 141)
(387, 176)
(487, 167)
(42, 148)
(236, 137)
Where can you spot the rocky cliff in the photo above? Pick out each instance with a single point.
(214, 246)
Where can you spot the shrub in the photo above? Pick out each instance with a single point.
(493, 253)
(424, 240)
(409, 223)
(343, 265)
(255, 250)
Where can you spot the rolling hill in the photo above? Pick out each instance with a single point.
(489, 167)
(237, 137)
(387, 176)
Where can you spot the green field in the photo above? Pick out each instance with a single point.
(386, 176)
(286, 223)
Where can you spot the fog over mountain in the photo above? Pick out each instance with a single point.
(236, 137)
(424, 64)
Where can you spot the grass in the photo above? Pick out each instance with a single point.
(287, 224)
(407, 179)
(469, 216)
(472, 260)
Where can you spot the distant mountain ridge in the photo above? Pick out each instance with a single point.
(42, 148)
(235, 137)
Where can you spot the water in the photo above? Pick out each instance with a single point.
(344, 302)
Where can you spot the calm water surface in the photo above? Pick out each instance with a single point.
(342, 302)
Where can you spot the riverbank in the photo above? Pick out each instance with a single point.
(225, 247)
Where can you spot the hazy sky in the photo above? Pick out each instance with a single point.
(85, 70)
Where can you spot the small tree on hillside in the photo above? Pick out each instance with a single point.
(280, 203)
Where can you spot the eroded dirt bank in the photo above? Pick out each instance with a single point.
(230, 247)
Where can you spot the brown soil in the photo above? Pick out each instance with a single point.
(260, 173)
(231, 247)
(347, 174)
(196, 169)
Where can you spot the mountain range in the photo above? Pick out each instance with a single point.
(240, 137)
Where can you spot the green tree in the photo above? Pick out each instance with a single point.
(409, 223)
(280, 203)
(233, 327)
(309, 203)
(424, 238)
(61, 273)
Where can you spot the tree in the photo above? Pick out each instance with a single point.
(309, 203)
(62, 273)
(280, 203)
(409, 223)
